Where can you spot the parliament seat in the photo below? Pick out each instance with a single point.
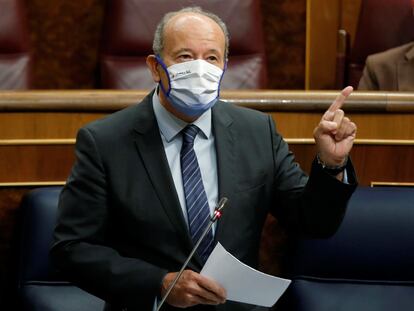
(129, 27)
(39, 288)
(367, 264)
(382, 24)
(15, 57)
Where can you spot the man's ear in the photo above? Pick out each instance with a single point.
(152, 64)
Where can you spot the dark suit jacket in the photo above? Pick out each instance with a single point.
(392, 70)
(120, 226)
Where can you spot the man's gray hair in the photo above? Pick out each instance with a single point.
(158, 43)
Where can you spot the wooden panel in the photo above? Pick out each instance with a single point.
(45, 125)
(384, 163)
(370, 126)
(45, 163)
(34, 163)
(373, 163)
(290, 124)
(349, 16)
(322, 27)
(324, 19)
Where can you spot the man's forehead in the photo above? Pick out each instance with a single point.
(189, 17)
(192, 27)
(188, 20)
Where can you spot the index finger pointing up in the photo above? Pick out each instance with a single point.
(340, 99)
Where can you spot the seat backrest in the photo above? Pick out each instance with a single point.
(382, 24)
(38, 286)
(15, 59)
(367, 264)
(38, 212)
(129, 30)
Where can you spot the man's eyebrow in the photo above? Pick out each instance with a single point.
(191, 51)
(214, 51)
(183, 50)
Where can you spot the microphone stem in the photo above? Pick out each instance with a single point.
(206, 230)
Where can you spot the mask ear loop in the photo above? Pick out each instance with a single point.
(159, 60)
(221, 78)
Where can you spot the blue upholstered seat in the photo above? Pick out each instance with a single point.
(367, 265)
(39, 288)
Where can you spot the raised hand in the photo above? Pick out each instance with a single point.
(335, 133)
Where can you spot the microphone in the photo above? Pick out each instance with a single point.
(216, 215)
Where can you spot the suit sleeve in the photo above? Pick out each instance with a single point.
(79, 250)
(313, 206)
(368, 81)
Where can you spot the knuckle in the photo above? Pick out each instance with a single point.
(190, 275)
(193, 289)
(189, 299)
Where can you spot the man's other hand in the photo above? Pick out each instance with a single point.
(192, 289)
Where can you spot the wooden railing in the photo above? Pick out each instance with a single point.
(265, 100)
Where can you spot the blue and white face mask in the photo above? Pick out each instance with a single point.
(194, 86)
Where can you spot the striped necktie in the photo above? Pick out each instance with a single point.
(198, 210)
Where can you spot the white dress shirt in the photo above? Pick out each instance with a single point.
(170, 128)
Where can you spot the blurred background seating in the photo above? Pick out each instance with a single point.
(15, 57)
(129, 27)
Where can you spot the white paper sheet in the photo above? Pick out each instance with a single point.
(243, 283)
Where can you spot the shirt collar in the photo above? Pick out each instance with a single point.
(170, 125)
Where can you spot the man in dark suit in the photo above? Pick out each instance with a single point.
(128, 212)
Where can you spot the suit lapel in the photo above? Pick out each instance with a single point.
(150, 148)
(405, 69)
(225, 150)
